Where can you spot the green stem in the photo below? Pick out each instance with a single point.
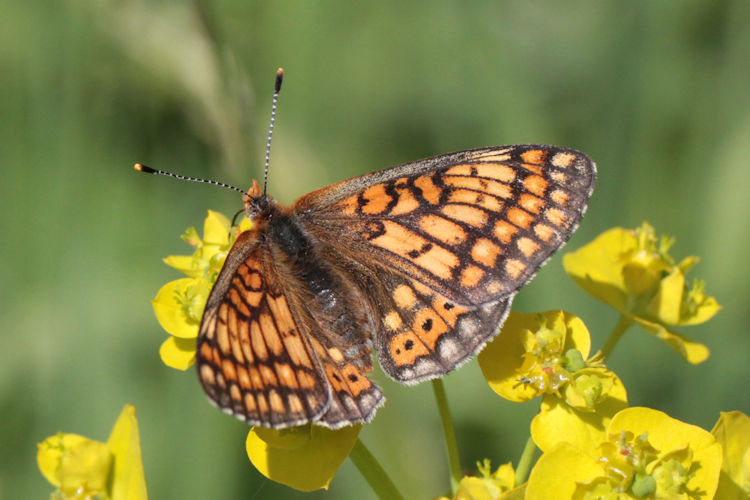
(450, 434)
(372, 471)
(524, 463)
(623, 323)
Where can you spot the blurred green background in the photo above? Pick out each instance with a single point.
(655, 91)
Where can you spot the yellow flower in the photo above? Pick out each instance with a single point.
(732, 431)
(305, 458)
(500, 485)
(545, 355)
(179, 304)
(535, 354)
(632, 271)
(83, 468)
(645, 453)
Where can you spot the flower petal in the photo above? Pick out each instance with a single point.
(183, 263)
(698, 307)
(304, 458)
(666, 433)
(216, 228)
(597, 269)
(692, 352)
(557, 421)
(72, 462)
(170, 312)
(558, 472)
(128, 481)
(501, 359)
(178, 353)
(732, 431)
(666, 303)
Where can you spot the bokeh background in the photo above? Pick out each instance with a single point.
(655, 91)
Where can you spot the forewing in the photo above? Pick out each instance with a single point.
(252, 359)
(472, 226)
(258, 356)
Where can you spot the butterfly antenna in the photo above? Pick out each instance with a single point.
(276, 90)
(143, 168)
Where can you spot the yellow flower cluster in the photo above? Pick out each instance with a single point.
(593, 444)
(82, 468)
(632, 271)
(489, 485)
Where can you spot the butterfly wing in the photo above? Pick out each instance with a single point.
(423, 334)
(468, 229)
(260, 359)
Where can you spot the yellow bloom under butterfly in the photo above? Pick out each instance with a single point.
(632, 271)
(304, 458)
(545, 354)
(645, 454)
(82, 468)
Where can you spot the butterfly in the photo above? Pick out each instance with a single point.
(419, 263)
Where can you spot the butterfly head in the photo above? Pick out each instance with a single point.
(258, 205)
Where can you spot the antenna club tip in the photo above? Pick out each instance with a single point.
(279, 79)
(140, 167)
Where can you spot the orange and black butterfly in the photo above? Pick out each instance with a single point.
(419, 262)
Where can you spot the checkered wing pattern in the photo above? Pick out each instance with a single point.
(450, 239)
(261, 358)
(420, 261)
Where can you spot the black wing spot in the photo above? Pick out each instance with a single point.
(409, 345)
(427, 325)
(416, 253)
(336, 377)
(373, 229)
(448, 306)
(353, 378)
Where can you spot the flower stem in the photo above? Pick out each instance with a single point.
(450, 434)
(372, 471)
(623, 323)
(524, 463)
